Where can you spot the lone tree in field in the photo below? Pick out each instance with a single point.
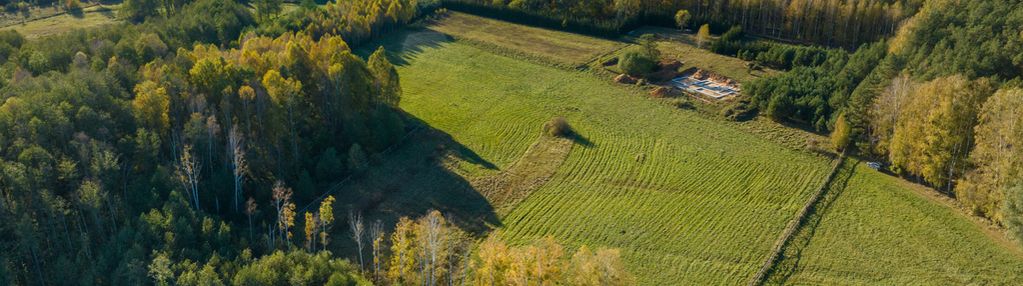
(557, 127)
(703, 35)
(682, 18)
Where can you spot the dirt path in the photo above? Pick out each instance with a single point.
(510, 187)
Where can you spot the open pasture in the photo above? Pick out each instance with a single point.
(561, 48)
(94, 16)
(688, 199)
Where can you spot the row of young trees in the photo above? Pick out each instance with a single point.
(846, 23)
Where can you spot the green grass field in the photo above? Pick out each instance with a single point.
(562, 48)
(878, 230)
(93, 17)
(688, 199)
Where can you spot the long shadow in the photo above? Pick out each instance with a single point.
(405, 44)
(412, 180)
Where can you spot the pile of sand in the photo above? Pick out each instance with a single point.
(702, 74)
(661, 92)
(625, 79)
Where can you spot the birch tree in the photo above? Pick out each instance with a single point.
(998, 155)
(358, 230)
(239, 166)
(285, 211)
(189, 171)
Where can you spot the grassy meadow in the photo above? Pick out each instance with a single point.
(94, 16)
(874, 229)
(561, 48)
(688, 199)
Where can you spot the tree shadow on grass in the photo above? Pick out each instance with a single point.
(414, 179)
(405, 44)
(580, 139)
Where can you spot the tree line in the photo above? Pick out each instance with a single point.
(940, 101)
(176, 149)
(427, 250)
(837, 23)
(174, 138)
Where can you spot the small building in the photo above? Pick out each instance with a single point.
(875, 165)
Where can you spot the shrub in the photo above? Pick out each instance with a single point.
(636, 61)
(558, 127)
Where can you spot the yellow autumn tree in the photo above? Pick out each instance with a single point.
(935, 130)
(492, 262)
(998, 154)
(402, 266)
(151, 106)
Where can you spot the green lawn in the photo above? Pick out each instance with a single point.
(688, 199)
(879, 230)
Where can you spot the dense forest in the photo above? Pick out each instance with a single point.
(940, 101)
(840, 23)
(175, 149)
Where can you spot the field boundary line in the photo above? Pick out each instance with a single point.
(794, 224)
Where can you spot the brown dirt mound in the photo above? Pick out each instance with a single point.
(625, 79)
(661, 92)
(702, 74)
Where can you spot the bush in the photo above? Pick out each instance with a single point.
(636, 61)
(558, 127)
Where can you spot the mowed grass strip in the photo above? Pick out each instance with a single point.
(561, 47)
(93, 17)
(689, 200)
(881, 230)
